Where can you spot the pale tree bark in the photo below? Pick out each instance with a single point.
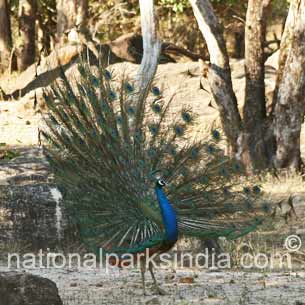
(219, 72)
(289, 108)
(71, 14)
(26, 40)
(285, 47)
(151, 52)
(5, 35)
(151, 43)
(254, 111)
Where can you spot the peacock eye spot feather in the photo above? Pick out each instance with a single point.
(216, 134)
(138, 136)
(223, 172)
(54, 121)
(93, 133)
(155, 91)
(66, 117)
(246, 190)
(226, 191)
(119, 120)
(186, 116)
(179, 130)
(151, 152)
(194, 153)
(104, 106)
(211, 149)
(70, 96)
(107, 74)
(256, 190)
(266, 208)
(112, 95)
(114, 133)
(128, 87)
(154, 129)
(94, 80)
(249, 205)
(156, 108)
(236, 167)
(131, 110)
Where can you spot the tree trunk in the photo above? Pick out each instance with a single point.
(284, 49)
(26, 47)
(254, 112)
(71, 14)
(151, 52)
(5, 35)
(289, 107)
(219, 72)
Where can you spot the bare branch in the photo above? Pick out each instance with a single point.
(151, 43)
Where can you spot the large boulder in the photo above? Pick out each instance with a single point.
(27, 289)
(31, 211)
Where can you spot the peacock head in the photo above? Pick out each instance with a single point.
(156, 174)
(160, 183)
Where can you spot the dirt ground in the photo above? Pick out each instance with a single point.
(183, 287)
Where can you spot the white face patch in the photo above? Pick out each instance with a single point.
(161, 182)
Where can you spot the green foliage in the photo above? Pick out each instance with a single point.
(7, 154)
(178, 6)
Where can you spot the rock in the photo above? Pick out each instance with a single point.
(273, 60)
(28, 210)
(27, 289)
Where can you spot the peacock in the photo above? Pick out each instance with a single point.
(134, 177)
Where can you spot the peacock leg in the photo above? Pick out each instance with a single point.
(143, 269)
(158, 289)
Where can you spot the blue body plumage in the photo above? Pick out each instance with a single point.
(168, 215)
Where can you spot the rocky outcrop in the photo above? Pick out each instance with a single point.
(27, 289)
(30, 204)
(125, 48)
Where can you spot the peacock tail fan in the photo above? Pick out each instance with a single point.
(106, 140)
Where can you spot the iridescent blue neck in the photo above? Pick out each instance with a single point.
(168, 215)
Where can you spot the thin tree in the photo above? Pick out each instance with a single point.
(26, 41)
(71, 14)
(5, 35)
